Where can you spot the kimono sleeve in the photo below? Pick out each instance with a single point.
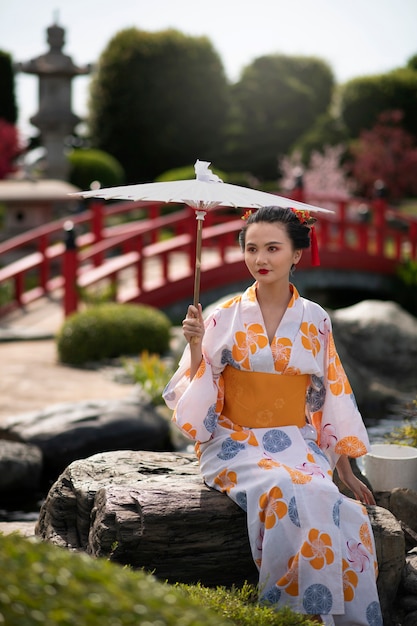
(194, 402)
(334, 411)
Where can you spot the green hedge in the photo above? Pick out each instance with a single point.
(89, 165)
(43, 585)
(111, 330)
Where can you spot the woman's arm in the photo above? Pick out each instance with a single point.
(353, 483)
(193, 329)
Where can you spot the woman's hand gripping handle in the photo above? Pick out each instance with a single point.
(193, 329)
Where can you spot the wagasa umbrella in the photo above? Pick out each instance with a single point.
(206, 191)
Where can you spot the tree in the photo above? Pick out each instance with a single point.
(158, 101)
(412, 63)
(277, 100)
(386, 153)
(364, 99)
(326, 131)
(8, 108)
(324, 173)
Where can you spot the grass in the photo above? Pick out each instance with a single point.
(406, 434)
(240, 606)
(408, 206)
(44, 585)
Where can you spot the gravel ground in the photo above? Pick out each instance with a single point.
(31, 379)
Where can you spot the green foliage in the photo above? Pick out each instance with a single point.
(6, 293)
(158, 101)
(277, 100)
(47, 585)
(412, 63)
(407, 433)
(98, 294)
(327, 130)
(8, 108)
(152, 373)
(112, 330)
(407, 289)
(241, 606)
(43, 584)
(363, 99)
(87, 166)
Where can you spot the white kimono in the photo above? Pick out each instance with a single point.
(313, 546)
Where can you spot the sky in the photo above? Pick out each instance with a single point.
(355, 37)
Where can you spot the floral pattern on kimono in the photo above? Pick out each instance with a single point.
(313, 546)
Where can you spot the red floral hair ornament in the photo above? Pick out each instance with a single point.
(306, 218)
(247, 214)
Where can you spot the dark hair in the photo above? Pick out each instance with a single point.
(298, 232)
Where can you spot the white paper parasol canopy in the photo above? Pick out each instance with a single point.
(202, 193)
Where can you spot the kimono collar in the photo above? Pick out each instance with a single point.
(291, 321)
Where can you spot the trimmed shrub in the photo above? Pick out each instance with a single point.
(111, 330)
(44, 584)
(90, 165)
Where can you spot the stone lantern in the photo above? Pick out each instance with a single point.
(55, 119)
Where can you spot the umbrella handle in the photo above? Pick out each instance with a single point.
(197, 272)
(200, 215)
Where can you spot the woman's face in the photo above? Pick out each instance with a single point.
(269, 252)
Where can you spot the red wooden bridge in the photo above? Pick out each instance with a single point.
(146, 251)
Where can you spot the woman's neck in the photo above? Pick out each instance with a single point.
(273, 303)
(277, 295)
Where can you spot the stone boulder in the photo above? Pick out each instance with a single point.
(153, 510)
(66, 432)
(20, 468)
(403, 505)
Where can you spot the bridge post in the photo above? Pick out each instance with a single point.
(379, 206)
(97, 228)
(44, 268)
(70, 263)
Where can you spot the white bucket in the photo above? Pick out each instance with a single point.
(388, 466)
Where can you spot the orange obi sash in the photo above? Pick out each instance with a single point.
(262, 400)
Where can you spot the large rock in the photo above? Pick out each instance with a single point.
(403, 505)
(66, 432)
(153, 510)
(20, 468)
(382, 336)
(148, 510)
(390, 549)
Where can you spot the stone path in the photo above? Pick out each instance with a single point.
(31, 377)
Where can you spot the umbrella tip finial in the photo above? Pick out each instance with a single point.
(203, 172)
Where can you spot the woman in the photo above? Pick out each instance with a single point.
(261, 389)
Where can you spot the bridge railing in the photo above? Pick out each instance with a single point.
(40, 261)
(80, 251)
